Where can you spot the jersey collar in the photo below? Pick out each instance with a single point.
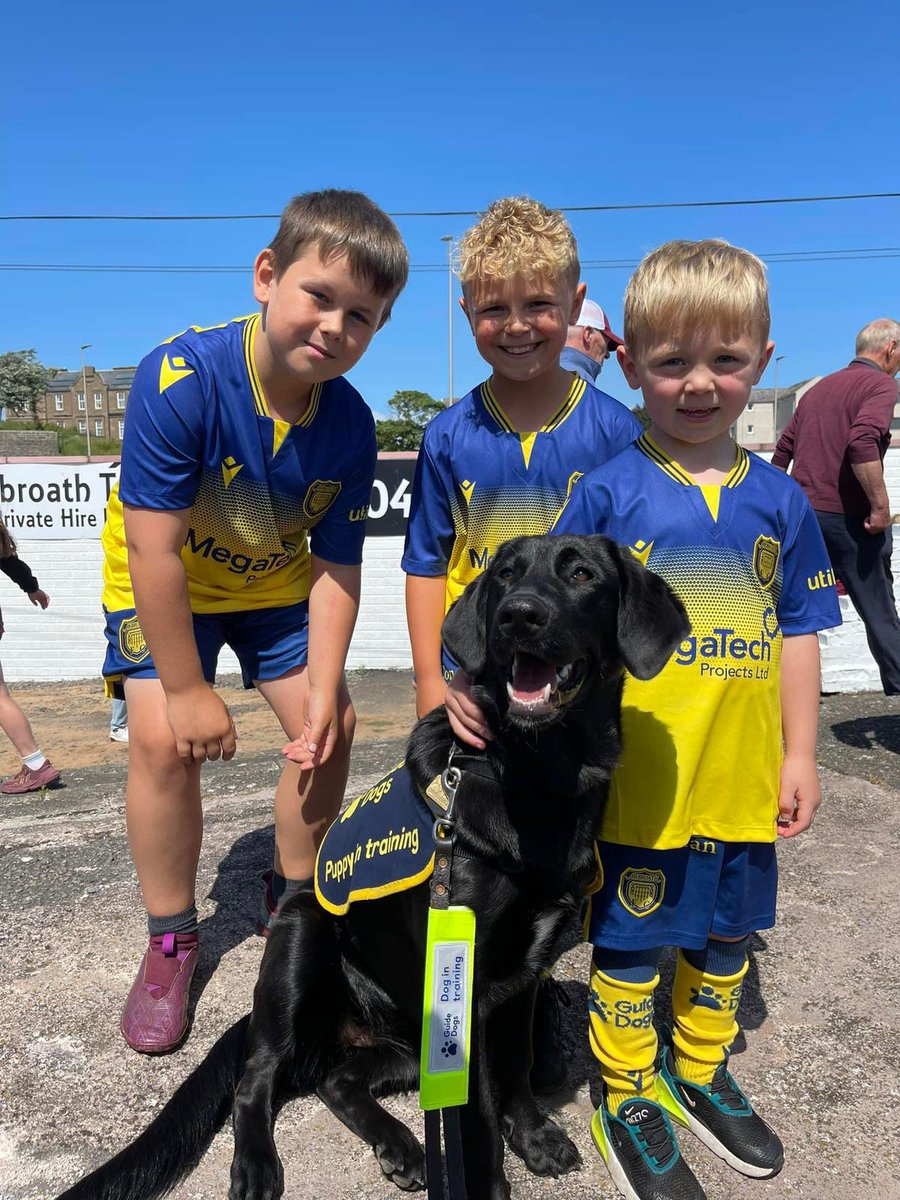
(574, 394)
(666, 463)
(259, 396)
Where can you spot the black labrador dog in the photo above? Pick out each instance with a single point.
(545, 632)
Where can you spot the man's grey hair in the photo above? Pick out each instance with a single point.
(873, 337)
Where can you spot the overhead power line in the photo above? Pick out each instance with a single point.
(607, 264)
(569, 208)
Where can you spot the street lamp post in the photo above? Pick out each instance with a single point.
(775, 405)
(87, 414)
(449, 240)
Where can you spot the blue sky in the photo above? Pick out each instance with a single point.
(210, 108)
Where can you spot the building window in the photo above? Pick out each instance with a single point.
(81, 404)
(82, 426)
(749, 428)
(121, 430)
(98, 400)
(750, 406)
(98, 427)
(60, 403)
(120, 400)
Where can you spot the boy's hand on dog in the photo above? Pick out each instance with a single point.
(466, 718)
(799, 795)
(320, 724)
(202, 725)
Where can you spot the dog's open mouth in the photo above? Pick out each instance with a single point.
(536, 687)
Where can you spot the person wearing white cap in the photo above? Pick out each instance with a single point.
(589, 343)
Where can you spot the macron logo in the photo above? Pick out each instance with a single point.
(230, 468)
(171, 371)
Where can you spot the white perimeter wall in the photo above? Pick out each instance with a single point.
(66, 641)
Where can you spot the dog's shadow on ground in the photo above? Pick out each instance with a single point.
(865, 733)
(238, 892)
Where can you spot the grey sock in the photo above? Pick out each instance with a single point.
(183, 922)
(282, 888)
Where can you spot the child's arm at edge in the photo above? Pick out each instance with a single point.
(424, 615)
(799, 794)
(333, 608)
(199, 719)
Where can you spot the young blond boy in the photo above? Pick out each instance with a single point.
(719, 754)
(246, 462)
(501, 462)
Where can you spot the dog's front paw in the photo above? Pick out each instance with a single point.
(545, 1149)
(257, 1175)
(402, 1160)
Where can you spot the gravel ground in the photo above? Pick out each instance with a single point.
(819, 1053)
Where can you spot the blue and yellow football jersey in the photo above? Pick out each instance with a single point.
(262, 492)
(479, 482)
(702, 741)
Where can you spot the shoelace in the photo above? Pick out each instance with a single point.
(657, 1139)
(726, 1091)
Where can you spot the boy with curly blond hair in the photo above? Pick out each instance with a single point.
(502, 461)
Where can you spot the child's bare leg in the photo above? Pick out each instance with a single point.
(306, 802)
(14, 723)
(165, 827)
(165, 821)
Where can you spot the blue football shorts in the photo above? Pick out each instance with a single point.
(268, 643)
(651, 898)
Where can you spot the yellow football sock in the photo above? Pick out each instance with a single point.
(622, 1035)
(705, 1008)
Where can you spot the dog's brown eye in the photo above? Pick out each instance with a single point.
(505, 573)
(582, 574)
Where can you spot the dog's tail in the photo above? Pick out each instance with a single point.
(173, 1144)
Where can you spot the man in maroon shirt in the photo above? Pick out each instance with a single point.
(837, 438)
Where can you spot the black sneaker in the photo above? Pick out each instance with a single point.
(549, 1067)
(722, 1118)
(641, 1153)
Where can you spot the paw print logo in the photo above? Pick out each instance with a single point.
(707, 997)
(600, 1007)
(449, 1049)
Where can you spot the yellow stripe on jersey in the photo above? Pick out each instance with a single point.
(527, 440)
(489, 401)
(712, 494)
(647, 446)
(259, 395)
(576, 391)
(739, 471)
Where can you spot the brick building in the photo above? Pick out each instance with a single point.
(67, 404)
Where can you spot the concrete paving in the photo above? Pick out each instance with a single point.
(820, 1053)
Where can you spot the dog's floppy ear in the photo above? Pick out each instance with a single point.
(464, 631)
(652, 621)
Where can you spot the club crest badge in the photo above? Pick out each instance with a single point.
(131, 640)
(641, 890)
(766, 554)
(319, 497)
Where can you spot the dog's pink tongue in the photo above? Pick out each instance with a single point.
(530, 676)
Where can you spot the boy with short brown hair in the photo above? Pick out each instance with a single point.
(246, 462)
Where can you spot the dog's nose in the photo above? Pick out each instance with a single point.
(519, 615)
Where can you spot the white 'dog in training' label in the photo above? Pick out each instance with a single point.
(451, 986)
